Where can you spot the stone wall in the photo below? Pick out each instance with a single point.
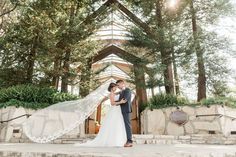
(13, 132)
(7, 129)
(158, 121)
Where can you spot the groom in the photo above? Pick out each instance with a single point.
(126, 110)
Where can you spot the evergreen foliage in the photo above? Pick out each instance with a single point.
(30, 96)
(44, 41)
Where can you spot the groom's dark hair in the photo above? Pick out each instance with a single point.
(119, 81)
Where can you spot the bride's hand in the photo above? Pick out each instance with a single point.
(123, 101)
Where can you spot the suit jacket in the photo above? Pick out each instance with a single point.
(126, 107)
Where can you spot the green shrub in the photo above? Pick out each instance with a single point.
(142, 107)
(227, 101)
(166, 100)
(30, 96)
(17, 103)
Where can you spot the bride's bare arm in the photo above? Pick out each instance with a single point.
(113, 102)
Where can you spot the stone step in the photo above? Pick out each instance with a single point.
(163, 139)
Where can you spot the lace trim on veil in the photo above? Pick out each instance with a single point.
(56, 120)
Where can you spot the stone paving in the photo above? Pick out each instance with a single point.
(142, 150)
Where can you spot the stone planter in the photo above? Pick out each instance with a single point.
(13, 131)
(13, 128)
(216, 119)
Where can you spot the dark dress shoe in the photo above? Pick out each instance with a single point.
(128, 145)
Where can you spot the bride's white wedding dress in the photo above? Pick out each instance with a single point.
(112, 132)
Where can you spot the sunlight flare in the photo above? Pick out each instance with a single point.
(172, 3)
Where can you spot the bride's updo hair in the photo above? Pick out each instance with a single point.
(111, 86)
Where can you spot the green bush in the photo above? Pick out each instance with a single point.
(227, 101)
(17, 103)
(142, 107)
(166, 100)
(30, 96)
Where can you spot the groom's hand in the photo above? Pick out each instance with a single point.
(123, 101)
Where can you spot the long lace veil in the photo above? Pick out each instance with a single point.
(56, 120)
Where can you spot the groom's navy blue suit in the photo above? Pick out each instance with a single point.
(126, 110)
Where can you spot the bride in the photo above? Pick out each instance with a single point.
(59, 119)
(112, 132)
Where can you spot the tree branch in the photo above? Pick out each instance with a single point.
(9, 11)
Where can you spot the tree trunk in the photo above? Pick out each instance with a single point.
(85, 79)
(56, 70)
(152, 90)
(140, 84)
(66, 64)
(200, 59)
(84, 86)
(31, 61)
(176, 78)
(177, 90)
(165, 51)
(66, 69)
(61, 46)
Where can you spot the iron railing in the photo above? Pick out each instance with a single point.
(216, 115)
(6, 121)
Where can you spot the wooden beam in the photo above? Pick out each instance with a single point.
(110, 76)
(126, 11)
(102, 80)
(100, 65)
(151, 33)
(126, 68)
(98, 12)
(119, 52)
